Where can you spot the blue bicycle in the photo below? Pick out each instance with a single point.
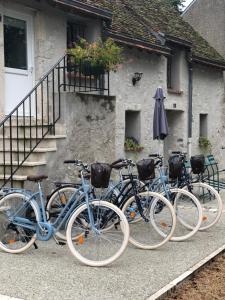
(187, 207)
(97, 231)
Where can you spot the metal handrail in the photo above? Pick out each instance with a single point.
(44, 103)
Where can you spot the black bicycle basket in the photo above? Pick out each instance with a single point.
(176, 167)
(100, 175)
(198, 164)
(146, 169)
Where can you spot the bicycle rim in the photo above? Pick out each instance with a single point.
(211, 203)
(157, 213)
(56, 204)
(15, 238)
(188, 212)
(104, 246)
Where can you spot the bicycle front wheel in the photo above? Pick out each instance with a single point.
(15, 209)
(97, 242)
(188, 212)
(211, 203)
(157, 223)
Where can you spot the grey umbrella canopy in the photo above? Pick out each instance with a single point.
(160, 124)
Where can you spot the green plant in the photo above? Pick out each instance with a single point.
(204, 143)
(106, 54)
(131, 144)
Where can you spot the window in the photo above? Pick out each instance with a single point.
(173, 70)
(132, 125)
(203, 125)
(74, 33)
(15, 43)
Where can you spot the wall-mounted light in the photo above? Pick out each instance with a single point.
(137, 76)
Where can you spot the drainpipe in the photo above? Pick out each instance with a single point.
(190, 98)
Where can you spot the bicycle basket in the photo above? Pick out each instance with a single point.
(100, 175)
(198, 164)
(146, 169)
(176, 167)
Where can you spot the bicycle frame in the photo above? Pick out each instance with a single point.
(82, 193)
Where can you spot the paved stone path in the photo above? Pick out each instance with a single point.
(52, 273)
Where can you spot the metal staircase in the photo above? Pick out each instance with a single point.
(30, 130)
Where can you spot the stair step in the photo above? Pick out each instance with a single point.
(25, 164)
(38, 154)
(27, 121)
(47, 137)
(59, 130)
(47, 142)
(28, 150)
(15, 177)
(27, 168)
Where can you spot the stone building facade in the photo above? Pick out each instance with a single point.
(207, 17)
(95, 126)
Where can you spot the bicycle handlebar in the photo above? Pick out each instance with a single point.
(179, 153)
(117, 161)
(68, 161)
(122, 163)
(155, 155)
(78, 163)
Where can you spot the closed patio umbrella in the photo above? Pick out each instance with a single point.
(160, 124)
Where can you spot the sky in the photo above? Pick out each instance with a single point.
(187, 2)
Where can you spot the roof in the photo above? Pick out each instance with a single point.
(155, 22)
(85, 8)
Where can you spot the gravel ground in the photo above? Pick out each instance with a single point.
(207, 284)
(52, 273)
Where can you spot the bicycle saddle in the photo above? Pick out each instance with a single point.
(36, 177)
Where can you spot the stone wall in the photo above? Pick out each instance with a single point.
(208, 98)
(89, 122)
(140, 98)
(207, 17)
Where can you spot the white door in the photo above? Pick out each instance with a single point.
(19, 59)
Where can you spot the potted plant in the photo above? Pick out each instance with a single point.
(204, 144)
(132, 145)
(96, 58)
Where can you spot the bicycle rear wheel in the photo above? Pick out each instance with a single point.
(55, 205)
(97, 243)
(14, 237)
(211, 203)
(157, 213)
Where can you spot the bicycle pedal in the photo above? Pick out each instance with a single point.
(61, 243)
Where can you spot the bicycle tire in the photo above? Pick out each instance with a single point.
(55, 205)
(12, 235)
(192, 230)
(138, 236)
(80, 217)
(217, 208)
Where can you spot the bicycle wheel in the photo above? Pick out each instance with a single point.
(101, 244)
(56, 204)
(157, 212)
(211, 203)
(15, 238)
(188, 212)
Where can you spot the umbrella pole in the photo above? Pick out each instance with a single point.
(160, 147)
